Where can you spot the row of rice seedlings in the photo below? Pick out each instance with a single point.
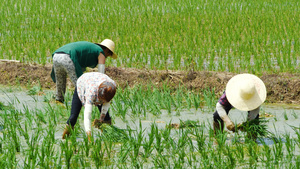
(225, 36)
(140, 101)
(159, 148)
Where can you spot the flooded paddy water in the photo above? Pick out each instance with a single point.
(283, 123)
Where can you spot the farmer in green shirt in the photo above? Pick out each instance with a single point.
(72, 59)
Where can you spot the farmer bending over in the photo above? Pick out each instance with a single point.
(74, 58)
(245, 92)
(92, 88)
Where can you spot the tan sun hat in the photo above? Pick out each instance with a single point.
(246, 92)
(110, 45)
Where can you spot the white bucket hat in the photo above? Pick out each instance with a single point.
(246, 92)
(110, 45)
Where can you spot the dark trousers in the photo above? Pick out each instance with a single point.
(76, 107)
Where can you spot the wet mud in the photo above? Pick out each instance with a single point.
(281, 88)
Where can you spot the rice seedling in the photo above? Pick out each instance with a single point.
(254, 128)
(210, 98)
(285, 115)
(295, 114)
(34, 90)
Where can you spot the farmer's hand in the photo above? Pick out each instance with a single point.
(106, 122)
(89, 135)
(102, 117)
(241, 127)
(230, 126)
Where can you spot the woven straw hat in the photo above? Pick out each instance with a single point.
(246, 92)
(110, 45)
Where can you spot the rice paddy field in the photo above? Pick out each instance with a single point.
(235, 36)
(223, 36)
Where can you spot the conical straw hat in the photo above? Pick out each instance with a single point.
(110, 45)
(246, 92)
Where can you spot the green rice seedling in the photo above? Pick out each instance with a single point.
(159, 161)
(231, 159)
(253, 153)
(295, 114)
(285, 115)
(108, 146)
(200, 137)
(167, 139)
(278, 151)
(119, 107)
(184, 124)
(6, 107)
(168, 102)
(158, 140)
(189, 123)
(2, 106)
(290, 146)
(123, 153)
(46, 149)
(34, 90)
(188, 100)
(11, 128)
(210, 98)
(33, 149)
(86, 145)
(196, 100)
(240, 152)
(68, 99)
(220, 139)
(267, 156)
(48, 96)
(98, 153)
(147, 144)
(67, 151)
(297, 132)
(136, 142)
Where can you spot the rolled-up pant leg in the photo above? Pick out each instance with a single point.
(75, 110)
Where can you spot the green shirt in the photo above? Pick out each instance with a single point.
(83, 54)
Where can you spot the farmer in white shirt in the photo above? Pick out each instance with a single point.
(92, 88)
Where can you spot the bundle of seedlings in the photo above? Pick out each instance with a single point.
(97, 123)
(254, 128)
(184, 124)
(113, 133)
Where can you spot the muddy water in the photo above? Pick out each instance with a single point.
(280, 122)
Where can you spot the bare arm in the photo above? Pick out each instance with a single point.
(101, 63)
(101, 59)
(104, 110)
(222, 113)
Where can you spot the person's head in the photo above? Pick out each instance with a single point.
(107, 91)
(108, 47)
(246, 92)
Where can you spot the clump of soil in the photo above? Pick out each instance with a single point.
(281, 88)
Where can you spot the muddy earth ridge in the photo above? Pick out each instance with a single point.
(281, 88)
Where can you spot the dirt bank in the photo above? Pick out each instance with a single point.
(282, 88)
